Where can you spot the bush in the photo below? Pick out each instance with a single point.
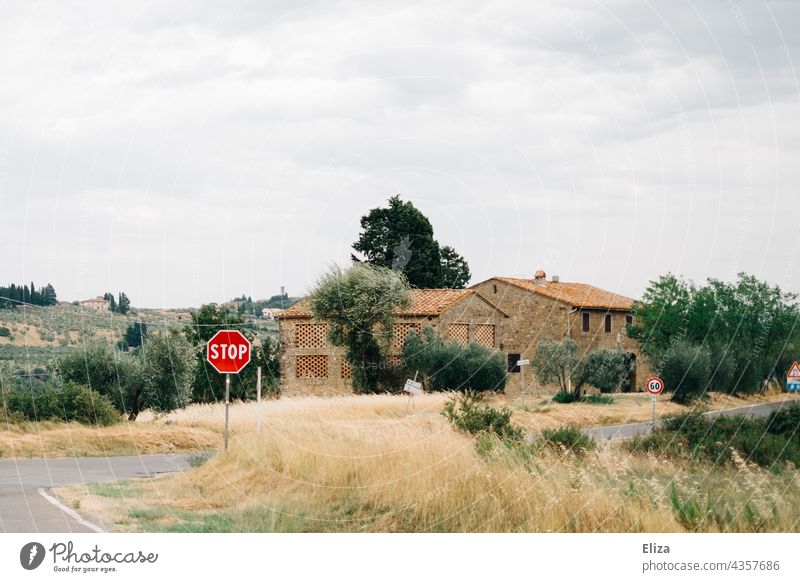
(603, 399)
(5, 332)
(564, 397)
(768, 442)
(69, 402)
(466, 413)
(609, 370)
(450, 366)
(567, 437)
(686, 371)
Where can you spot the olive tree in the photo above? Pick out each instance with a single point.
(359, 304)
(557, 362)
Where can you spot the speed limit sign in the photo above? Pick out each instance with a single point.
(655, 385)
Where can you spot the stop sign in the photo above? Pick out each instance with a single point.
(228, 351)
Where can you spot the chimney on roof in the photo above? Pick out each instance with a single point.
(539, 277)
(555, 279)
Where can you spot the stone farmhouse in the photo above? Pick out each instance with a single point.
(542, 309)
(508, 314)
(309, 365)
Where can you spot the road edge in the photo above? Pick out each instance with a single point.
(71, 512)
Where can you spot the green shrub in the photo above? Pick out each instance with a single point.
(466, 413)
(769, 442)
(5, 332)
(598, 399)
(686, 371)
(567, 437)
(69, 402)
(449, 366)
(564, 397)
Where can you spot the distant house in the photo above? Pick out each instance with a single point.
(97, 303)
(310, 365)
(271, 312)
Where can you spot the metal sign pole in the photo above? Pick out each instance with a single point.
(227, 405)
(258, 401)
(654, 412)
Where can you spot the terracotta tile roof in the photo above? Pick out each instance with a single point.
(575, 294)
(423, 302)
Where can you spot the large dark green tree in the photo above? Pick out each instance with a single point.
(401, 238)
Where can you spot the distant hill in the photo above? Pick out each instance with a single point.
(31, 336)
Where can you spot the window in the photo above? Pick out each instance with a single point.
(585, 322)
(513, 368)
(629, 319)
(494, 288)
(311, 367)
(484, 334)
(347, 374)
(608, 323)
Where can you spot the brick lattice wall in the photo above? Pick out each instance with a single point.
(312, 366)
(459, 333)
(484, 334)
(310, 335)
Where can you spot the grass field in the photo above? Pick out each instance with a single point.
(59, 439)
(361, 463)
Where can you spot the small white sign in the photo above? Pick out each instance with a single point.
(523, 362)
(653, 398)
(413, 387)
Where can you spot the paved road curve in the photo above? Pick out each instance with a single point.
(24, 509)
(623, 431)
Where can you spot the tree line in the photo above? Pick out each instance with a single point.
(14, 295)
(119, 305)
(157, 370)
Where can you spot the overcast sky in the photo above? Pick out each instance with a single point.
(186, 152)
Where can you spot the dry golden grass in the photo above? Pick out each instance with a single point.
(58, 439)
(198, 427)
(532, 414)
(361, 464)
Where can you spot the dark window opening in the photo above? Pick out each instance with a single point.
(608, 323)
(629, 319)
(495, 288)
(513, 368)
(585, 322)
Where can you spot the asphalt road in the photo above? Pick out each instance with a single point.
(623, 431)
(25, 484)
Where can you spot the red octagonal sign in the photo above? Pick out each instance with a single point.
(228, 351)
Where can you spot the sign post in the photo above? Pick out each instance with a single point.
(227, 405)
(258, 401)
(412, 388)
(522, 364)
(654, 386)
(793, 380)
(228, 352)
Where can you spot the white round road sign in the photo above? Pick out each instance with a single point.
(655, 385)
